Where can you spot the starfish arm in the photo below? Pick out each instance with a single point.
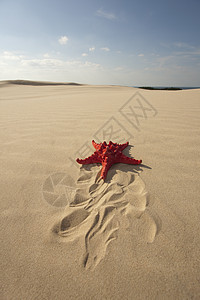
(105, 167)
(89, 160)
(128, 160)
(96, 146)
(123, 146)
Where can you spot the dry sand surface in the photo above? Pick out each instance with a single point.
(65, 235)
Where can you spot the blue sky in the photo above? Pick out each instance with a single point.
(124, 42)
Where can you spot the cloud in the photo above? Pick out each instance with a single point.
(84, 54)
(13, 65)
(91, 49)
(183, 52)
(7, 55)
(183, 45)
(43, 63)
(105, 49)
(164, 61)
(141, 55)
(57, 64)
(91, 65)
(63, 40)
(118, 69)
(106, 15)
(46, 55)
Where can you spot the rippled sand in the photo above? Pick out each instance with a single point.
(65, 234)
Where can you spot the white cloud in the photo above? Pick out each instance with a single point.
(63, 40)
(11, 56)
(91, 49)
(190, 53)
(118, 69)
(105, 49)
(53, 69)
(13, 65)
(183, 45)
(46, 55)
(43, 63)
(49, 64)
(91, 65)
(106, 15)
(141, 55)
(84, 54)
(165, 60)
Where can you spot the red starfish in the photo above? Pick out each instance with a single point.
(107, 155)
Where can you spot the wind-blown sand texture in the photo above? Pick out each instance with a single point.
(65, 234)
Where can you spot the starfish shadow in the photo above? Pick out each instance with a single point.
(127, 151)
(126, 167)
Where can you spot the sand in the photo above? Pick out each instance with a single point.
(66, 235)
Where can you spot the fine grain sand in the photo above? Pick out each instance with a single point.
(67, 235)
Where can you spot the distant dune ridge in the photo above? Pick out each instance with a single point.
(37, 83)
(67, 235)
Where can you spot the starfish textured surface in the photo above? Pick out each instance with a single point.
(107, 155)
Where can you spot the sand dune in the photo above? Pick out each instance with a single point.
(36, 83)
(65, 234)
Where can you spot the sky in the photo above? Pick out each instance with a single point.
(122, 42)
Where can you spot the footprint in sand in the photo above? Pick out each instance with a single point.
(97, 206)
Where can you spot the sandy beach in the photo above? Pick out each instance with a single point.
(66, 235)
